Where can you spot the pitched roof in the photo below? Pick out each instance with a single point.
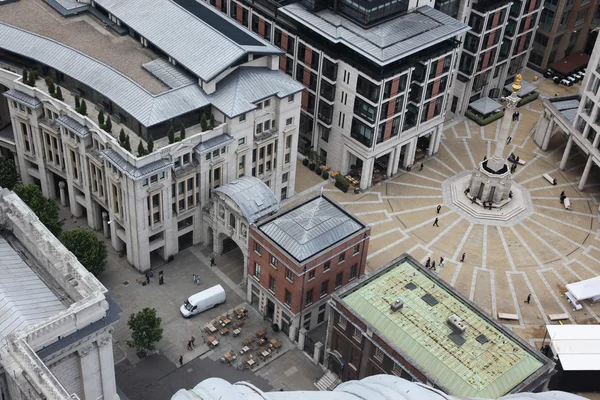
(386, 42)
(310, 228)
(252, 196)
(193, 42)
(485, 361)
(24, 298)
(485, 105)
(131, 170)
(72, 125)
(212, 143)
(23, 98)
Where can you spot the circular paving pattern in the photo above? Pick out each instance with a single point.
(537, 253)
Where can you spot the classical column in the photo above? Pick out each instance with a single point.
(107, 368)
(246, 266)
(62, 193)
(548, 135)
(366, 174)
(566, 153)
(89, 370)
(586, 172)
(432, 140)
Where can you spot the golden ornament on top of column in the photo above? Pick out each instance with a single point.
(517, 85)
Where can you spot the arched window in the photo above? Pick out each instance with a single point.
(232, 220)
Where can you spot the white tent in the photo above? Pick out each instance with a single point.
(577, 346)
(587, 289)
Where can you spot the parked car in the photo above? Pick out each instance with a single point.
(566, 82)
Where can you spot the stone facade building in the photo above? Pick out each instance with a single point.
(239, 112)
(56, 320)
(406, 321)
(299, 257)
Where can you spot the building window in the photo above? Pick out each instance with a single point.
(326, 266)
(286, 159)
(378, 354)
(341, 258)
(342, 322)
(397, 369)
(353, 269)
(241, 141)
(354, 358)
(284, 177)
(356, 249)
(257, 271)
(311, 275)
(309, 295)
(289, 121)
(289, 275)
(242, 117)
(257, 248)
(272, 284)
(324, 288)
(267, 103)
(306, 324)
(338, 279)
(291, 98)
(288, 298)
(273, 261)
(357, 335)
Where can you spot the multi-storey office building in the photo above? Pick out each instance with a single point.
(156, 79)
(376, 76)
(565, 28)
(495, 49)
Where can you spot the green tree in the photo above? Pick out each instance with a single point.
(83, 107)
(122, 137)
(171, 135)
(212, 120)
(50, 84)
(100, 118)
(9, 177)
(150, 145)
(90, 251)
(77, 103)
(146, 330)
(108, 125)
(45, 209)
(203, 123)
(141, 150)
(25, 78)
(182, 131)
(127, 144)
(58, 95)
(31, 80)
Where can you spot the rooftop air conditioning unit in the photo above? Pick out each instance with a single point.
(397, 305)
(456, 323)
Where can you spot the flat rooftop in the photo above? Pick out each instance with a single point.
(567, 106)
(386, 42)
(311, 227)
(86, 34)
(484, 361)
(25, 299)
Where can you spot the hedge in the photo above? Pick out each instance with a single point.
(311, 166)
(341, 183)
(484, 121)
(528, 99)
(325, 175)
(318, 171)
(305, 162)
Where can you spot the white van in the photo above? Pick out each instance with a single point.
(202, 301)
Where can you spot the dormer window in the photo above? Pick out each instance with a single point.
(267, 103)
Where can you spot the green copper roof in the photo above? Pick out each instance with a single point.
(421, 332)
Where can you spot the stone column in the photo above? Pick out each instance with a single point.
(438, 139)
(548, 135)
(397, 152)
(497, 161)
(432, 140)
(317, 353)
(366, 174)
(301, 338)
(62, 193)
(390, 166)
(345, 157)
(107, 368)
(88, 372)
(566, 154)
(105, 225)
(246, 266)
(586, 173)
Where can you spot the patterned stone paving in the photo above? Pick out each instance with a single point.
(503, 264)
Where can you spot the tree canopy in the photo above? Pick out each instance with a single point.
(9, 177)
(90, 251)
(45, 209)
(146, 330)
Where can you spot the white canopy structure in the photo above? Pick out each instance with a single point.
(587, 289)
(576, 346)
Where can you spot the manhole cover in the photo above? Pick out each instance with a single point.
(125, 283)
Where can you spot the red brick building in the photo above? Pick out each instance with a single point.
(300, 256)
(404, 320)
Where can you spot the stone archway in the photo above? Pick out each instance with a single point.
(231, 257)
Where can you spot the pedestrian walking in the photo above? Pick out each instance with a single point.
(181, 361)
(421, 169)
(427, 263)
(562, 197)
(462, 259)
(198, 279)
(212, 261)
(508, 140)
(194, 277)
(435, 223)
(528, 299)
(190, 345)
(439, 207)
(147, 278)
(441, 261)
(467, 191)
(433, 265)
(193, 341)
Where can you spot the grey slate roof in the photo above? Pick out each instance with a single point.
(131, 170)
(192, 42)
(24, 298)
(23, 98)
(485, 105)
(73, 125)
(237, 93)
(568, 107)
(386, 42)
(252, 196)
(310, 228)
(526, 88)
(145, 107)
(214, 143)
(171, 75)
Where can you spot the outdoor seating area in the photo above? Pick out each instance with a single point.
(246, 340)
(484, 111)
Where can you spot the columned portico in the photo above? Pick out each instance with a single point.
(586, 172)
(566, 154)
